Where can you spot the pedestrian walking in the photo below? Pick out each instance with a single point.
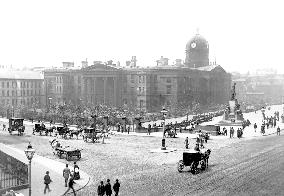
(76, 172)
(231, 132)
(70, 185)
(197, 147)
(128, 129)
(278, 130)
(4, 127)
(149, 129)
(186, 142)
(108, 190)
(116, 187)
(66, 174)
(101, 189)
(47, 181)
(255, 127)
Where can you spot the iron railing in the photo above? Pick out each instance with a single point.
(13, 173)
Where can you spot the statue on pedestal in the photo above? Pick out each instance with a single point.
(233, 96)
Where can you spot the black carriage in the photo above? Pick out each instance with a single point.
(63, 131)
(39, 128)
(68, 153)
(16, 124)
(91, 134)
(195, 160)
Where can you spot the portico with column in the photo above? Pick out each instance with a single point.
(100, 89)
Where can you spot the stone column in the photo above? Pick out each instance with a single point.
(115, 91)
(105, 89)
(85, 89)
(94, 92)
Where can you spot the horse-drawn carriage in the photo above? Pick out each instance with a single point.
(75, 131)
(41, 128)
(65, 152)
(16, 124)
(63, 131)
(195, 160)
(91, 134)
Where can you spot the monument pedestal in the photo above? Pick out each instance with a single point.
(233, 115)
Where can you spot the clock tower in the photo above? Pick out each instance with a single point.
(197, 52)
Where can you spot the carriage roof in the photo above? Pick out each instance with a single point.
(16, 119)
(192, 151)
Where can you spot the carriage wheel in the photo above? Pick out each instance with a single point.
(180, 166)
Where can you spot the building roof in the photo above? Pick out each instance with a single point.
(209, 68)
(28, 75)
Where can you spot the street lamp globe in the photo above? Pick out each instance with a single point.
(29, 152)
(164, 112)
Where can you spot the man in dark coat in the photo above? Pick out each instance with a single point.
(101, 189)
(149, 129)
(70, 185)
(66, 174)
(278, 130)
(116, 187)
(186, 142)
(47, 181)
(108, 190)
(255, 127)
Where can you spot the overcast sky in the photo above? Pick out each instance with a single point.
(242, 35)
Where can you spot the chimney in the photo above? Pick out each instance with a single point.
(178, 62)
(133, 61)
(84, 63)
(109, 62)
(128, 63)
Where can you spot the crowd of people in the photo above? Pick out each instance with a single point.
(107, 188)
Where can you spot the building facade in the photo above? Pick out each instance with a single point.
(260, 88)
(21, 88)
(146, 89)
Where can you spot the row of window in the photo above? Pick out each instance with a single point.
(141, 79)
(27, 101)
(23, 84)
(59, 79)
(58, 89)
(20, 93)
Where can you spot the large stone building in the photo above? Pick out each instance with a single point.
(21, 88)
(148, 89)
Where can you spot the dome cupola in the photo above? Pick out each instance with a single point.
(197, 52)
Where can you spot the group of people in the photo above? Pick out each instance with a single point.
(69, 177)
(199, 142)
(107, 189)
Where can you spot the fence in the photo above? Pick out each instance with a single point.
(13, 173)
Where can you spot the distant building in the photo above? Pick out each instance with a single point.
(147, 89)
(262, 87)
(21, 88)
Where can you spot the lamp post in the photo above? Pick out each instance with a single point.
(164, 112)
(30, 153)
(49, 103)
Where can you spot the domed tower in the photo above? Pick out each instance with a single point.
(197, 52)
